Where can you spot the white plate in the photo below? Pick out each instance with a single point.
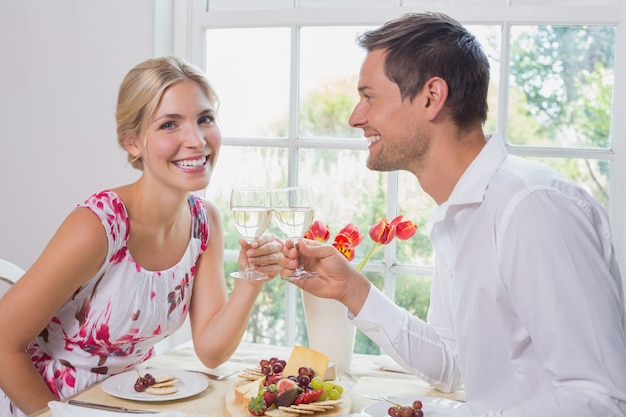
(122, 385)
(432, 406)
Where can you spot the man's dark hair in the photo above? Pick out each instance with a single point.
(419, 46)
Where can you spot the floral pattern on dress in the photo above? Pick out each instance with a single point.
(112, 322)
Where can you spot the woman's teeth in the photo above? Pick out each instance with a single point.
(191, 163)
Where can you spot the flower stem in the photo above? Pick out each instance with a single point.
(375, 247)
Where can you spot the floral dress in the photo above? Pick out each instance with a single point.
(112, 322)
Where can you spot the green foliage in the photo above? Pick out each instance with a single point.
(553, 69)
(325, 112)
(561, 95)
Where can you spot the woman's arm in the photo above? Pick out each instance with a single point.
(73, 256)
(217, 321)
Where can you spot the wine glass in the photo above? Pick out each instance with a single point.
(293, 214)
(252, 213)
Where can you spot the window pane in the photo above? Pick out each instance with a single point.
(413, 293)
(561, 86)
(267, 321)
(490, 38)
(247, 166)
(329, 66)
(345, 190)
(416, 205)
(249, 68)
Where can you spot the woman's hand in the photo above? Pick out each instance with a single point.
(264, 253)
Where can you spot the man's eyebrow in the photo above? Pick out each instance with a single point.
(362, 88)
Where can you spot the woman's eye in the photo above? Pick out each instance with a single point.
(167, 125)
(206, 119)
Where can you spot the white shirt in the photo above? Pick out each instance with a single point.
(526, 308)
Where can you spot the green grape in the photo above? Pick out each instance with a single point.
(338, 388)
(328, 386)
(333, 394)
(317, 382)
(324, 396)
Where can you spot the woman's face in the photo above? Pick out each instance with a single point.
(182, 138)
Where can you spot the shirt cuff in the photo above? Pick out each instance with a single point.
(378, 308)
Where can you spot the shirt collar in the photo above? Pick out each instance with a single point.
(473, 183)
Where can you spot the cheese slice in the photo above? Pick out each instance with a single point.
(301, 356)
(244, 392)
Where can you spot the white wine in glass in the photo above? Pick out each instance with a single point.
(293, 214)
(252, 213)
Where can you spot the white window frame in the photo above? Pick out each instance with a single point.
(189, 18)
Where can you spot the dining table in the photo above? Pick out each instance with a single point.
(368, 375)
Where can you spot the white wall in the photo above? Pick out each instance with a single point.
(61, 62)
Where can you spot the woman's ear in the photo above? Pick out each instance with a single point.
(436, 90)
(130, 143)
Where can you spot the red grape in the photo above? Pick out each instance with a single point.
(139, 385)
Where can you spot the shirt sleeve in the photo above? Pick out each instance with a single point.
(558, 264)
(411, 342)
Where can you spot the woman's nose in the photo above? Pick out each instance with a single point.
(196, 139)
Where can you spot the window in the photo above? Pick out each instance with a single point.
(286, 72)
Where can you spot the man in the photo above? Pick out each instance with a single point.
(527, 306)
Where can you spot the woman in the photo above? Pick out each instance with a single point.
(127, 265)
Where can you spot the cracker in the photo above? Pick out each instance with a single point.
(295, 410)
(162, 390)
(329, 402)
(251, 374)
(165, 378)
(312, 407)
(168, 383)
(275, 412)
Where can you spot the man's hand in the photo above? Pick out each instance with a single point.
(337, 277)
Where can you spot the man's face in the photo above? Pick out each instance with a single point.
(390, 123)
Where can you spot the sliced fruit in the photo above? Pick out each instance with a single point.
(285, 384)
(286, 398)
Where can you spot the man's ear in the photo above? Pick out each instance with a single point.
(130, 143)
(436, 91)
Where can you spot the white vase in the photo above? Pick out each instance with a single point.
(329, 330)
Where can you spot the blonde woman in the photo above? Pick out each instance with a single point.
(130, 263)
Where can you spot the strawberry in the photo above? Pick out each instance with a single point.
(269, 396)
(299, 399)
(257, 406)
(316, 394)
(309, 396)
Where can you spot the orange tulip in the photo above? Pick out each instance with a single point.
(348, 238)
(382, 232)
(343, 245)
(318, 232)
(353, 234)
(405, 229)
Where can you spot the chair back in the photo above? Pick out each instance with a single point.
(5, 284)
(9, 273)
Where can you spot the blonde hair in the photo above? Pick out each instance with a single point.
(141, 91)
